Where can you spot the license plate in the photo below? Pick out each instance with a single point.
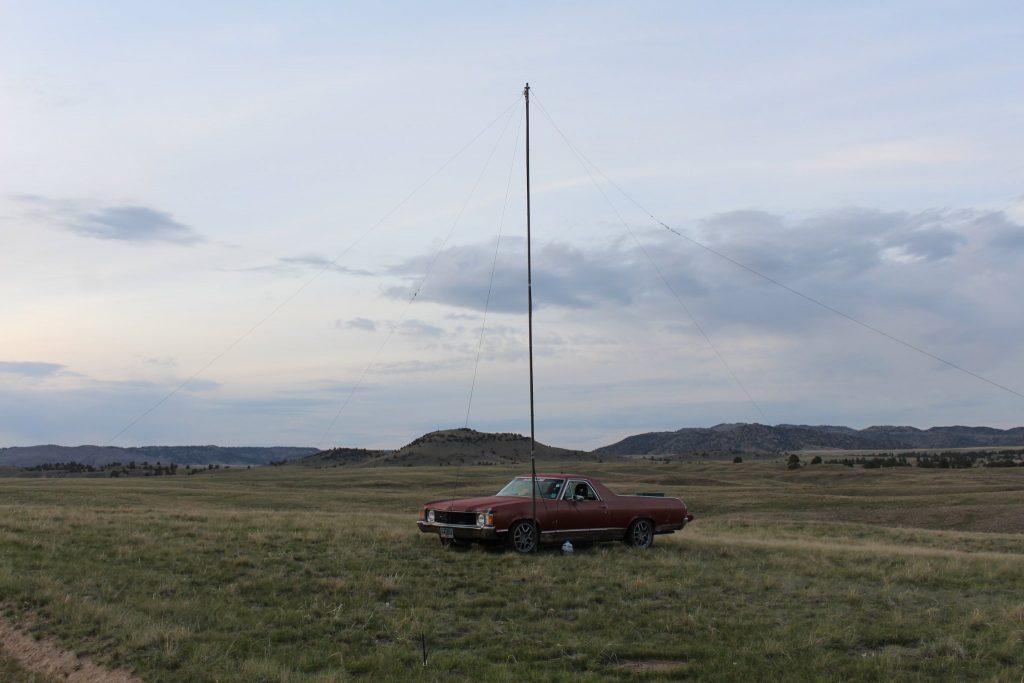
(446, 532)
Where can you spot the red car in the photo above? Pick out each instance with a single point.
(570, 507)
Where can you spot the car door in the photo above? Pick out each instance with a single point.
(582, 515)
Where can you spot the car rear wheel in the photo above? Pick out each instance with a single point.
(522, 537)
(640, 534)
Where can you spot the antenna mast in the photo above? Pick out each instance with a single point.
(529, 304)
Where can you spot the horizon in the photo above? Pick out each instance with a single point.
(395, 448)
(209, 241)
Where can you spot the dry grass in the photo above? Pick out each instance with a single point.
(294, 574)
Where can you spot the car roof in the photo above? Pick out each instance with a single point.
(558, 475)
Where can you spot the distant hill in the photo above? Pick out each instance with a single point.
(30, 456)
(470, 447)
(338, 457)
(758, 438)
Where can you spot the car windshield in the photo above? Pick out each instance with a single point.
(546, 488)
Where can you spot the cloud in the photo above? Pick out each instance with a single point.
(564, 275)
(199, 384)
(93, 414)
(295, 264)
(30, 368)
(886, 267)
(137, 224)
(315, 262)
(357, 324)
(132, 223)
(1009, 239)
(419, 366)
(1004, 233)
(418, 328)
(326, 386)
(927, 245)
(943, 279)
(843, 241)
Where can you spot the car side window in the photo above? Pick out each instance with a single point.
(576, 489)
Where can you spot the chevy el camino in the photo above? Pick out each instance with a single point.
(570, 507)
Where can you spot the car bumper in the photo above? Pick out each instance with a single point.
(669, 528)
(461, 532)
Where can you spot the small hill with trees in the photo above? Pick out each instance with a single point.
(337, 457)
(469, 447)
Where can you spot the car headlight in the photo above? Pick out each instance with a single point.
(481, 518)
(430, 516)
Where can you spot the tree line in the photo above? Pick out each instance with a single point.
(942, 460)
(131, 468)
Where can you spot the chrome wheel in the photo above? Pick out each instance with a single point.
(640, 534)
(523, 537)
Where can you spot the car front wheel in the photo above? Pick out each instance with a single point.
(640, 534)
(522, 537)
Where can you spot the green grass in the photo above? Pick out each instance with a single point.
(281, 574)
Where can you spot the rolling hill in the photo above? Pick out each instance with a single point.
(339, 457)
(458, 447)
(758, 438)
(470, 447)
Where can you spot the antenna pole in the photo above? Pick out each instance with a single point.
(529, 308)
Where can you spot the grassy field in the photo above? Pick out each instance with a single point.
(288, 574)
(10, 670)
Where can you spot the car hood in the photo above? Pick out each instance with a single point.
(474, 504)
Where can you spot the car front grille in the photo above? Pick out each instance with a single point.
(443, 517)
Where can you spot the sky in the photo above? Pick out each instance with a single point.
(303, 224)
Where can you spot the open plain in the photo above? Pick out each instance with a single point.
(294, 574)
